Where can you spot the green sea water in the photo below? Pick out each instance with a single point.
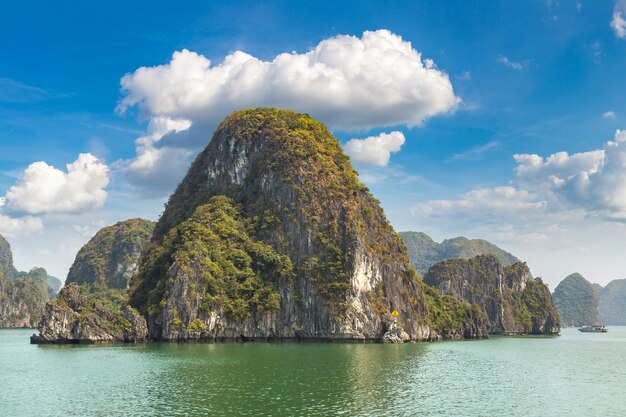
(569, 375)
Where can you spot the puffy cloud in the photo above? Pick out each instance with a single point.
(558, 171)
(156, 168)
(10, 226)
(44, 189)
(349, 83)
(374, 150)
(594, 181)
(487, 202)
(618, 23)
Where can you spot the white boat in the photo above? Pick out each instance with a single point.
(596, 328)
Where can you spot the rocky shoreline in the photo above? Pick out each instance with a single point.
(74, 318)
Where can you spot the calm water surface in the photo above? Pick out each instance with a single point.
(571, 375)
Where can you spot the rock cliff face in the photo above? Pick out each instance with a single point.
(424, 252)
(92, 318)
(271, 235)
(577, 301)
(613, 303)
(22, 294)
(110, 258)
(22, 301)
(93, 307)
(510, 298)
(7, 269)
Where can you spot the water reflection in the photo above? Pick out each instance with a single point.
(282, 379)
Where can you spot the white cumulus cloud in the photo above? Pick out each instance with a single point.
(594, 181)
(487, 202)
(347, 82)
(618, 23)
(156, 167)
(374, 150)
(10, 226)
(42, 188)
(350, 83)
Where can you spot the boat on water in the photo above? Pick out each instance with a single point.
(596, 328)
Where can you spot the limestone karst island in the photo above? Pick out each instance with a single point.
(282, 209)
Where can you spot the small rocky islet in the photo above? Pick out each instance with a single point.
(513, 301)
(271, 236)
(93, 306)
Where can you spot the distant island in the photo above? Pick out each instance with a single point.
(23, 295)
(424, 252)
(612, 303)
(272, 236)
(582, 303)
(577, 301)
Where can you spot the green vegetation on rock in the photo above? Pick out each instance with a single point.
(451, 316)
(511, 300)
(577, 301)
(6, 260)
(537, 307)
(231, 271)
(424, 252)
(110, 257)
(87, 299)
(90, 313)
(325, 193)
(22, 300)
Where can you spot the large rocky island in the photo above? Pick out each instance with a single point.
(271, 236)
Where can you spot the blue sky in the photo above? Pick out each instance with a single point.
(523, 78)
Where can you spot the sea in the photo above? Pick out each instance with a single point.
(574, 374)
